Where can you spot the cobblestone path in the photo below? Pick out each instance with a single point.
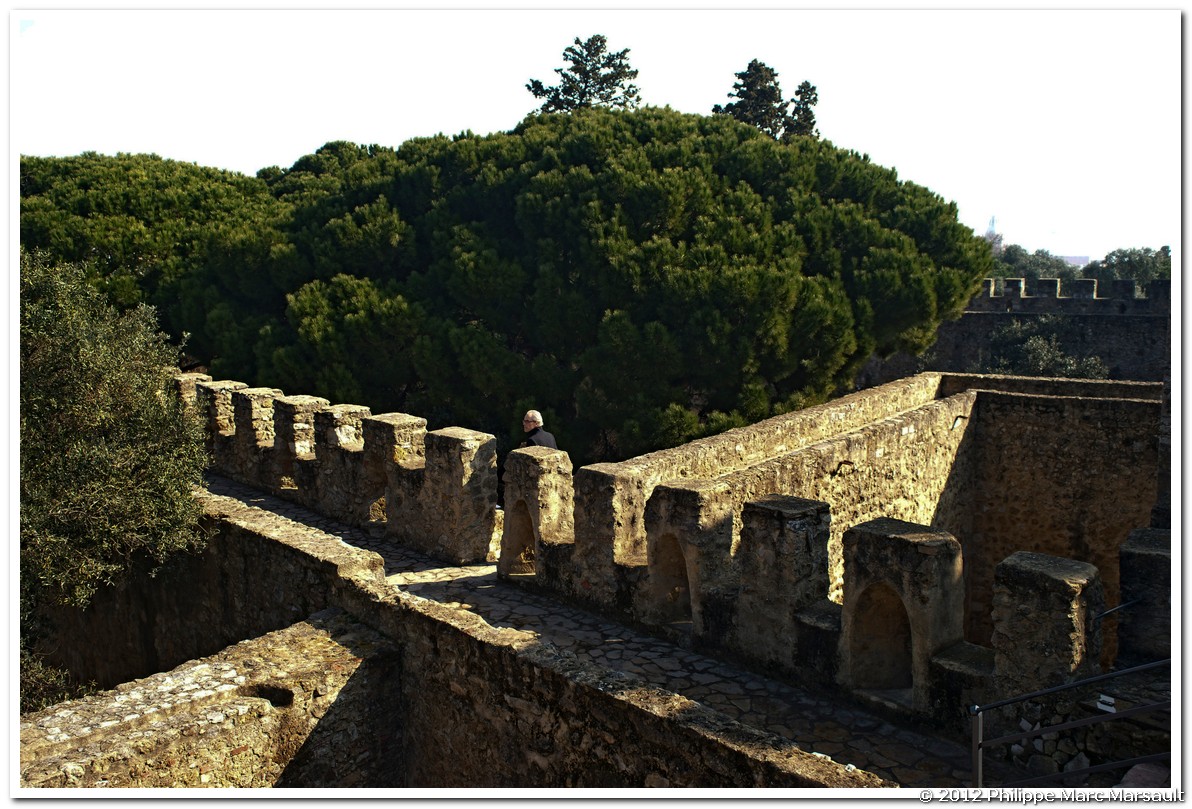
(816, 722)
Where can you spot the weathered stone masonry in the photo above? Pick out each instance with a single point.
(1002, 464)
(383, 689)
(1129, 332)
(863, 545)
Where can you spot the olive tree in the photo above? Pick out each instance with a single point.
(109, 456)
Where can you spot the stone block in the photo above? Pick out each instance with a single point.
(783, 561)
(339, 428)
(252, 411)
(1043, 629)
(215, 398)
(961, 676)
(689, 534)
(818, 631)
(1123, 289)
(185, 386)
(1144, 633)
(394, 445)
(458, 500)
(1082, 288)
(1158, 292)
(252, 448)
(294, 430)
(602, 521)
(394, 438)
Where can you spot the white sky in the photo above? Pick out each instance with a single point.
(1064, 124)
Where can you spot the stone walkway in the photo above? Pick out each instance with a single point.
(816, 722)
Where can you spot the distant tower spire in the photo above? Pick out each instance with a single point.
(993, 237)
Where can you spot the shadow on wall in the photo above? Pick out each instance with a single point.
(342, 750)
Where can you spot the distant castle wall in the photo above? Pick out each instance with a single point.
(1130, 332)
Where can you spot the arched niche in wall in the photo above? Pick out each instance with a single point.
(669, 585)
(881, 642)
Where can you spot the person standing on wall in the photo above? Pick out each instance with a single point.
(535, 435)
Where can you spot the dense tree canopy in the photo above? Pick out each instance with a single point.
(138, 222)
(1015, 261)
(1141, 264)
(594, 78)
(1035, 347)
(641, 277)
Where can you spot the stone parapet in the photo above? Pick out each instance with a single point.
(613, 496)
(689, 529)
(213, 401)
(258, 714)
(295, 433)
(386, 689)
(718, 540)
(1144, 633)
(1044, 633)
(459, 496)
(783, 559)
(1072, 296)
(436, 491)
(539, 513)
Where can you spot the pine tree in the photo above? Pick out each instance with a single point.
(759, 103)
(759, 100)
(802, 119)
(595, 78)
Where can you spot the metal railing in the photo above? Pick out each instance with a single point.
(980, 743)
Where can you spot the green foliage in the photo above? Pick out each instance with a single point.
(760, 104)
(138, 222)
(595, 77)
(44, 684)
(803, 111)
(1034, 347)
(108, 455)
(1143, 265)
(642, 277)
(1015, 261)
(759, 100)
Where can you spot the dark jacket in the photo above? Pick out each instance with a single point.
(539, 437)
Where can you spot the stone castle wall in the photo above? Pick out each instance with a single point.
(655, 539)
(861, 544)
(201, 603)
(1062, 476)
(1130, 333)
(284, 709)
(383, 689)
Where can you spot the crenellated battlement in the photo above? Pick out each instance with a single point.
(435, 490)
(1084, 296)
(741, 542)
